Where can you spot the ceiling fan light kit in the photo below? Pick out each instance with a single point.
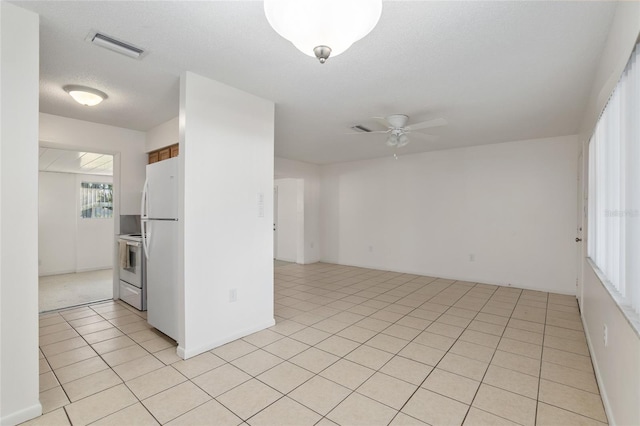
(85, 95)
(323, 28)
(399, 131)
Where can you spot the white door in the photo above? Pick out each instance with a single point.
(162, 189)
(288, 219)
(579, 226)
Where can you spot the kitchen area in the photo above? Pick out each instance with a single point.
(219, 286)
(189, 217)
(150, 252)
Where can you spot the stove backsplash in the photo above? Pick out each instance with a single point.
(130, 224)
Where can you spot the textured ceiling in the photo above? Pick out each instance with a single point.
(497, 71)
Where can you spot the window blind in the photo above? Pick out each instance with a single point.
(96, 200)
(614, 187)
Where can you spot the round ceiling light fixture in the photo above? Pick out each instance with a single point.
(322, 28)
(85, 95)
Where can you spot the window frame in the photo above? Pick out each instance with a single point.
(91, 206)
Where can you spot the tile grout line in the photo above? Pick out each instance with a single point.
(338, 311)
(99, 356)
(359, 345)
(444, 312)
(110, 367)
(489, 365)
(512, 310)
(544, 333)
(447, 351)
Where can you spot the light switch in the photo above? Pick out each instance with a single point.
(260, 204)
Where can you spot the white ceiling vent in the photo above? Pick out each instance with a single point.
(116, 45)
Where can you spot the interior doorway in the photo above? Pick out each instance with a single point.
(288, 219)
(75, 228)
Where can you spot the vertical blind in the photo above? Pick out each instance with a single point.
(96, 200)
(614, 187)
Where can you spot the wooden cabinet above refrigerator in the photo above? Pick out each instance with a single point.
(164, 153)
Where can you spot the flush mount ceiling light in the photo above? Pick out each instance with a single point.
(85, 95)
(323, 27)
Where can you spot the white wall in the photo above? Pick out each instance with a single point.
(66, 242)
(511, 206)
(167, 133)
(310, 174)
(56, 223)
(226, 157)
(618, 364)
(290, 219)
(19, 53)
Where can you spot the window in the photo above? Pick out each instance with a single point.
(96, 200)
(614, 188)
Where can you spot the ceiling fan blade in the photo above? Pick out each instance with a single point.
(367, 133)
(424, 136)
(426, 124)
(381, 121)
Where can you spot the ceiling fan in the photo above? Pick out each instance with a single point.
(398, 130)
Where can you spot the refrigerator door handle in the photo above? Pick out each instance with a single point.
(144, 211)
(146, 235)
(144, 201)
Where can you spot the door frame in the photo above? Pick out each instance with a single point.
(116, 196)
(581, 198)
(275, 221)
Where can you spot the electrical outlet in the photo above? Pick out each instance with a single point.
(370, 249)
(233, 295)
(472, 257)
(312, 244)
(605, 335)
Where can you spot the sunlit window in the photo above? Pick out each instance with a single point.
(614, 188)
(96, 200)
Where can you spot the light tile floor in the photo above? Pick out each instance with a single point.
(351, 346)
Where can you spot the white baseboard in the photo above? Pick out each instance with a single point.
(449, 277)
(73, 271)
(23, 415)
(186, 353)
(96, 268)
(60, 272)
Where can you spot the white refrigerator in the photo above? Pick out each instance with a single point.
(159, 219)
